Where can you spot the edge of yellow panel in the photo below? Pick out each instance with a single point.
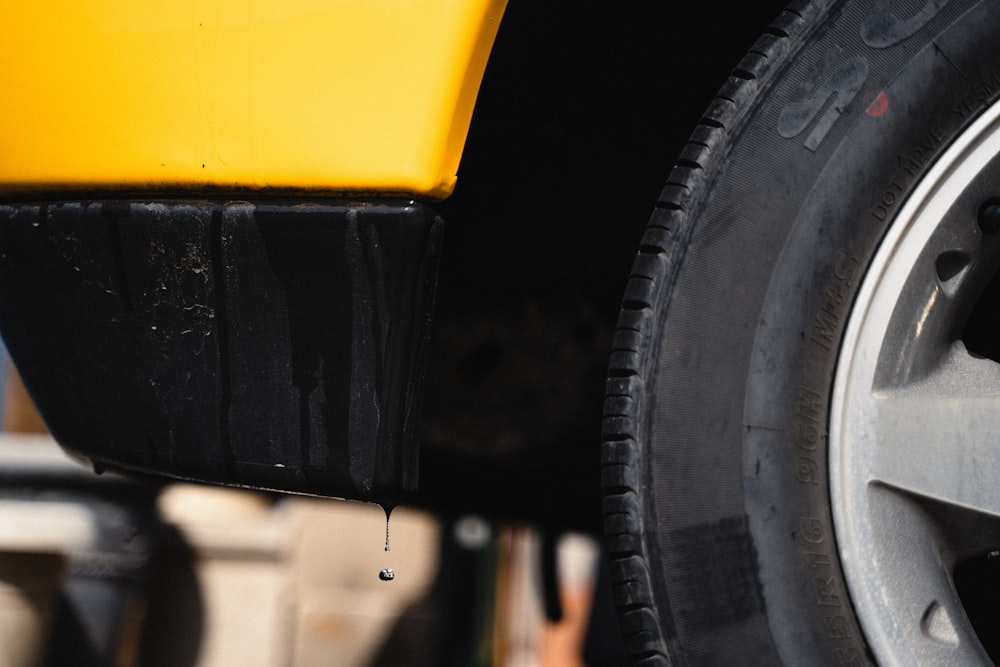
(431, 174)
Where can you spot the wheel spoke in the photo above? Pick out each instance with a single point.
(925, 609)
(940, 437)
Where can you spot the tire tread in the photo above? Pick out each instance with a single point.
(628, 541)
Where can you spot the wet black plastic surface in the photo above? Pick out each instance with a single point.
(270, 345)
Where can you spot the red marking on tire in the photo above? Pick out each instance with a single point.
(878, 106)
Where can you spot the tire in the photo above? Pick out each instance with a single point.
(797, 463)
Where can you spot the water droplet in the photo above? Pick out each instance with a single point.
(388, 511)
(387, 574)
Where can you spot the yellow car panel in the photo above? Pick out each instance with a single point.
(336, 96)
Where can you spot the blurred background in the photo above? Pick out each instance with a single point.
(100, 570)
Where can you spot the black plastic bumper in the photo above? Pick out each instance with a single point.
(269, 345)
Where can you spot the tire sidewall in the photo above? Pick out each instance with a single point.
(910, 105)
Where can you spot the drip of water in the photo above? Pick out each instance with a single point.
(388, 511)
(387, 574)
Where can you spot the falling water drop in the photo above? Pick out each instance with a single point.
(387, 574)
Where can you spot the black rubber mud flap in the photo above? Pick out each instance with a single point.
(270, 345)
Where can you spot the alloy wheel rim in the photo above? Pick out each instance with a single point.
(914, 437)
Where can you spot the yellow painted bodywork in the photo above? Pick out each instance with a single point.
(332, 96)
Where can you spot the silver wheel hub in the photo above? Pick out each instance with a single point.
(915, 417)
